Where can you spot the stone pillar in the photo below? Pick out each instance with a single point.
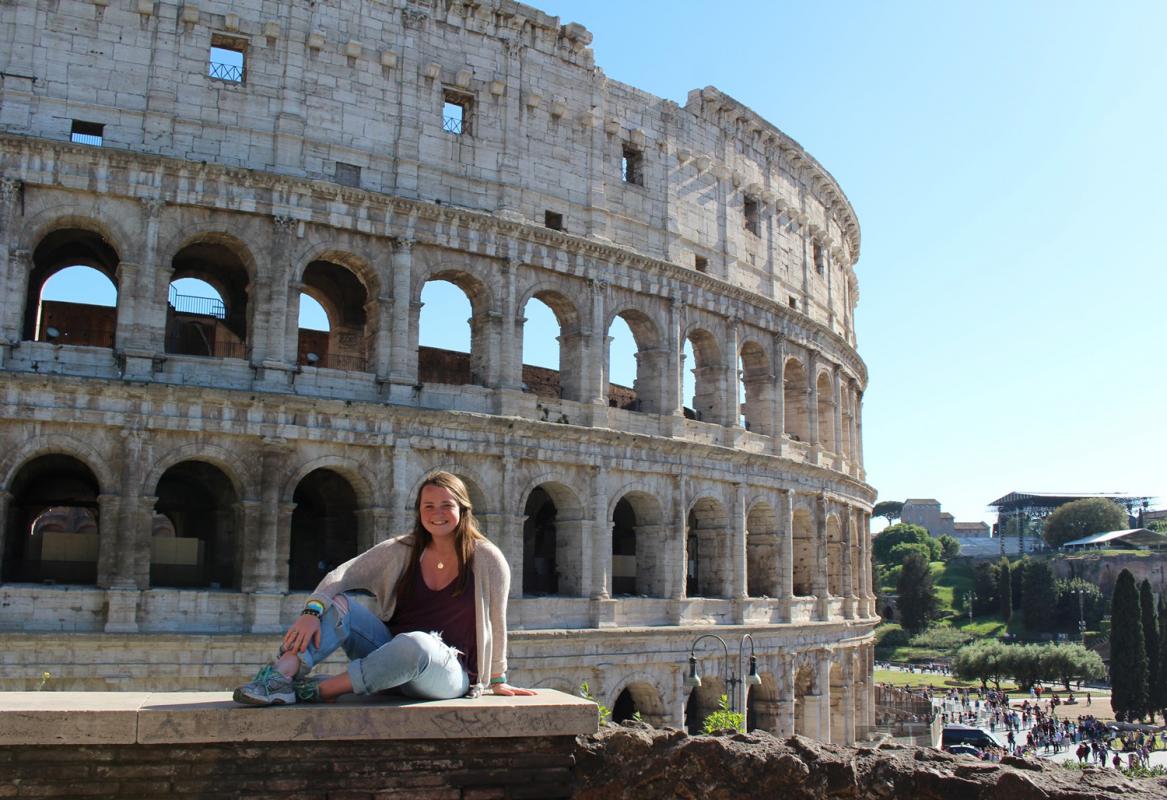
(837, 420)
(379, 361)
(5, 500)
(401, 511)
(821, 593)
(680, 543)
(372, 527)
(812, 401)
(787, 577)
(785, 713)
(403, 359)
(596, 386)
(270, 339)
(738, 550)
(859, 435)
(148, 331)
(509, 537)
(15, 296)
(263, 567)
(779, 423)
(510, 161)
(602, 537)
(823, 684)
(510, 360)
(283, 557)
(673, 401)
(848, 565)
(733, 408)
(109, 571)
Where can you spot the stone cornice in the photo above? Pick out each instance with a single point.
(45, 162)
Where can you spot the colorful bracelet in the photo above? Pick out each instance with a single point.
(310, 612)
(313, 607)
(500, 679)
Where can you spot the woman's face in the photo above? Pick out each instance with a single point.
(439, 511)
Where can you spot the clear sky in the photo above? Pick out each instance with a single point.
(1006, 161)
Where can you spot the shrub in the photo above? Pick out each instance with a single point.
(724, 719)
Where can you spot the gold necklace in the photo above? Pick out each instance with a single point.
(440, 564)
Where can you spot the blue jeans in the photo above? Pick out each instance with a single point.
(419, 664)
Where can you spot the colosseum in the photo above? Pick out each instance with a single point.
(177, 470)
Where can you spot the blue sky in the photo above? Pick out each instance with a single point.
(1005, 161)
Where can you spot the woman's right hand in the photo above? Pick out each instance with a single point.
(305, 630)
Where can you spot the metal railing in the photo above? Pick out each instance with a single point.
(203, 306)
(86, 138)
(454, 125)
(225, 72)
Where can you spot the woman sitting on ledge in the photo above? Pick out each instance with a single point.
(443, 591)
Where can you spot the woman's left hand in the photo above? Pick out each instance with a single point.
(507, 690)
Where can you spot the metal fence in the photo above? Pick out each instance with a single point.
(203, 306)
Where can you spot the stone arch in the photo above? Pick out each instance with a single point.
(71, 323)
(795, 401)
(757, 380)
(825, 394)
(227, 462)
(571, 342)
(835, 544)
(762, 705)
(473, 479)
(703, 700)
(220, 328)
(804, 553)
(638, 540)
(53, 444)
(553, 539)
(52, 524)
(323, 533)
(805, 700)
(347, 288)
(638, 693)
(445, 367)
(650, 360)
(62, 216)
(353, 471)
(708, 376)
(203, 506)
(763, 551)
(709, 543)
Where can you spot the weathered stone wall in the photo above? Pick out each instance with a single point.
(707, 524)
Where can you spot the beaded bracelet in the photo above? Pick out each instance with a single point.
(310, 612)
(313, 607)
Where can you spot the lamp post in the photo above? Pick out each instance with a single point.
(972, 599)
(1081, 615)
(732, 679)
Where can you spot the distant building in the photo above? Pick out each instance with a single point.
(1133, 539)
(972, 530)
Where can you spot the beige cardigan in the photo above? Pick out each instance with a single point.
(378, 569)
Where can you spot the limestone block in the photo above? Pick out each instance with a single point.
(81, 718)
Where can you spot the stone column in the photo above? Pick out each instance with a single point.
(510, 359)
(272, 318)
(738, 549)
(283, 557)
(779, 405)
(837, 420)
(823, 684)
(5, 500)
(787, 577)
(148, 334)
(509, 537)
(14, 297)
(785, 713)
(401, 513)
(680, 543)
(602, 537)
(848, 587)
(733, 408)
(510, 160)
(673, 400)
(812, 401)
(380, 308)
(403, 358)
(596, 387)
(821, 593)
(109, 544)
(859, 435)
(263, 567)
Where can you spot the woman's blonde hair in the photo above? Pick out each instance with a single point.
(466, 535)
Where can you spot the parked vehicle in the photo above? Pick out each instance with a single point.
(966, 734)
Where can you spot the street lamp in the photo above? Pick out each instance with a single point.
(972, 598)
(732, 681)
(1081, 614)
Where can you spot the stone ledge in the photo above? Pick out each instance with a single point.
(99, 718)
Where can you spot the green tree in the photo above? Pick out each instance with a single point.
(1157, 525)
(1023, 662)
(888, 509)
(1017, 581)
(1081, 518)
(723, 719)
(1039, 597)
(1071, 662)
(949, 547)
(1151, 641)
(982, 661)
(1090, 603)
(1128, 654)
(1159, 684)
(903, 533)
(1005, 588)
(917, 595)
(984, 586)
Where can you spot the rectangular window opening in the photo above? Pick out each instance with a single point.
(752, 215)
(456, 113)
(553, 220)
(818, 258)
(701, 263)
(87, 133)
(227, 59)
(632, 166)
(347, 174)
(793, 302)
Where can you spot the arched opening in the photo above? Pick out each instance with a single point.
(539, 545)
(324, 528)
(704, 699)
(794, 394)
(451, 338)
(762, 706)
(805, 702)
(72, 290)
(634, 363)
(763, 552)
(638, 698)
(637, 546)
(826, 412)
(847, 446)
(705, 389)
(755, 389)
(708, 522)
(804, 554)
(207, 310)
(552, 347)
(52, 530)
(203, 509)
(346, 339)
(835, 577)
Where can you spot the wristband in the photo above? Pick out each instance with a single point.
(313, 607)
(500, 679)
(311, 612)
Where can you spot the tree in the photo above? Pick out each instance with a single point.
(1005, 588)
(903, 533)
(1071, 662)
(1151, 641)
(981, 661)
(1128, 654)
(1017, 581)
(1039, 597)
(889, 510)
(1159, 684)
(949, 547)
(1078, 596)
(1157, 525)
(984, 586)
(1024, 663)
(917, 595)
(1083, 517)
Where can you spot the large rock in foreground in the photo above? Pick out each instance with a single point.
(642, 763)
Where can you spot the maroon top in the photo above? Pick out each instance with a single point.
(428, 611)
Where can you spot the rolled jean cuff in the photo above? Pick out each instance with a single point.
(357, 676)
